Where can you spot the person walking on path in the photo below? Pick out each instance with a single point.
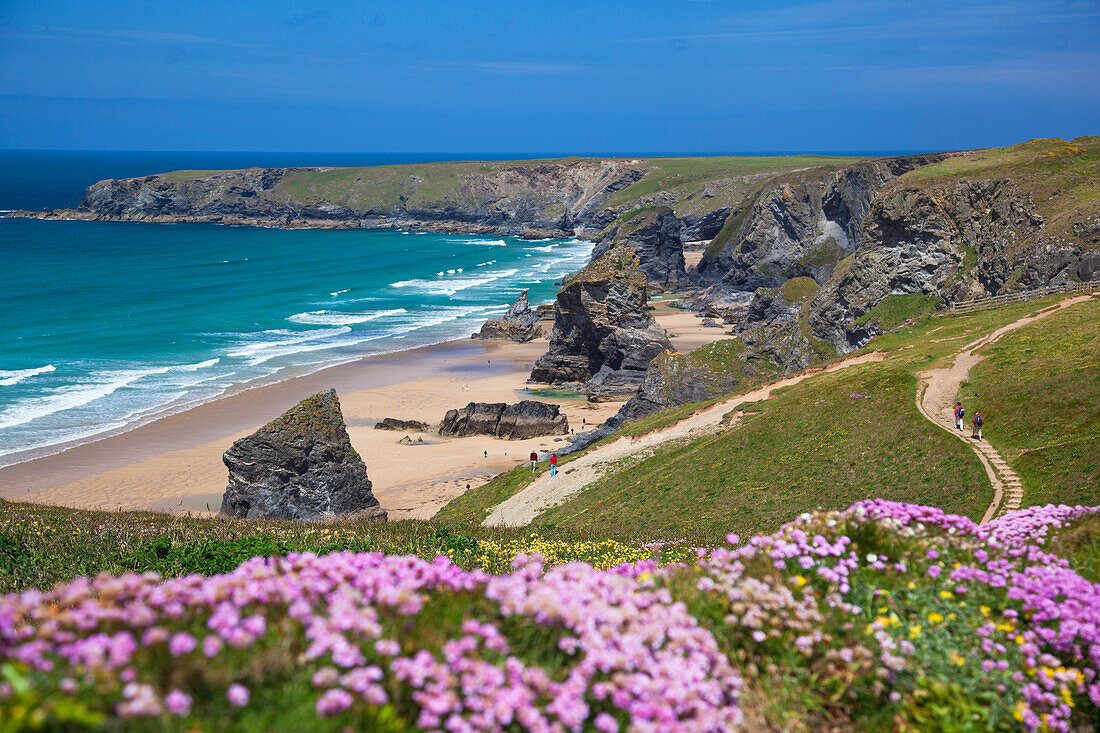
(978, 422)
(534, 460)
(553, 464)
(959, 413)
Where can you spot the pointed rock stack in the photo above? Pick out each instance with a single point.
(299, 466)
(520, 323)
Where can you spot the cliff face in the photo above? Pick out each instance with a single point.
(603, 335)
(654, 234)
(1013, 226)
(798, 225)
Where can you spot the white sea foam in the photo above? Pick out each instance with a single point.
(489, 243)
(451, 285)
(15, 376)
(339, 292)
(66, 398)
(336, 318)
(249, 348)
(197, 366)
(547, 248)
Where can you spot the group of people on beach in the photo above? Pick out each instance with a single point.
(977, 422)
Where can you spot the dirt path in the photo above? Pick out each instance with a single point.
(936, 396)
(545, 492)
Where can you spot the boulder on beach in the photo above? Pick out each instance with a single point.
(299, 466)
(520, 323)
(526, 419)
(392, 423)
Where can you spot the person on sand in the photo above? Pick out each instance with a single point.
(553, 464)
(534, 460)
(978, 422)
(959, 414)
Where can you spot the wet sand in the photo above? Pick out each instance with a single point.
(174, 464)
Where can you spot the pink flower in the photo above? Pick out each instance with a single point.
(333, 702)
(178, 703)
(605, 722)
(181, 643)
(237, 695)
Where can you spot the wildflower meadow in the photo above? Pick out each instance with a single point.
(884, 616)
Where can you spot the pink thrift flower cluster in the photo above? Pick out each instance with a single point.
(632, 654)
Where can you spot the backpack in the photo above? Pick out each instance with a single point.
(980, 421)
(962, 413)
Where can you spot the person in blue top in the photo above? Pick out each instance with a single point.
(978, 422)
(959, 413)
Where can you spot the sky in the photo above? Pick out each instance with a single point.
(638, 76)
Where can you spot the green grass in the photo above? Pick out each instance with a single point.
(798, 289)
(1039, 392)
(812, 445)
(894, 310)
(1080, 544)
(44, 545)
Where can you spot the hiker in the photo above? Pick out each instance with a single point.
(486, 454)
(978, 422)
(534, 460)
(553, 464)
(959, 414)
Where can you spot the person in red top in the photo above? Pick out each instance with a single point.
(978, 422)
(553, 464)
(534, 460)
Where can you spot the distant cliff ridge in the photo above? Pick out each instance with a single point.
(527, 198)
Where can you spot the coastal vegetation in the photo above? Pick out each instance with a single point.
(883, 616)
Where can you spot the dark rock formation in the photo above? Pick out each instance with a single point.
(392, 423)
(603, 334)
(526, 419)
(800, 225)
(409, 441)
(707, 226)
(654, 234)
(520, 323)
(299, 466)
(961, 241)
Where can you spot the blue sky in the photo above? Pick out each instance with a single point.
(515, 76)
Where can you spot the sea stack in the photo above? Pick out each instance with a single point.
(654, 234)
(520, 323)
(299, 466)
(604, 335)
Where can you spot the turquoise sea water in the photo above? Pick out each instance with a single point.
(106, 325)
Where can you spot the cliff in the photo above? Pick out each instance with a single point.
(604, 336)
(798, 224)
(526, 198)
(654, 234)
(988, 222)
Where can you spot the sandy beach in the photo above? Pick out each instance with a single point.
(174, 464)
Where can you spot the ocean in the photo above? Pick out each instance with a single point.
(109, 325)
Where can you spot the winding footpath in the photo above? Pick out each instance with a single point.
(936, 393)
(545, 492)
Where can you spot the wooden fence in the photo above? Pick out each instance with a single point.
(972, 306)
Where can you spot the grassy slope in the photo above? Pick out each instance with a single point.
(1039, 391)
(811, 445)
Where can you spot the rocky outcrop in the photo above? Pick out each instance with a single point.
(654, 234)
(604, 337)
(526, 419)
(392, 423)
(956, 241)
(520, 323)
(299, 466)
(799, 224)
